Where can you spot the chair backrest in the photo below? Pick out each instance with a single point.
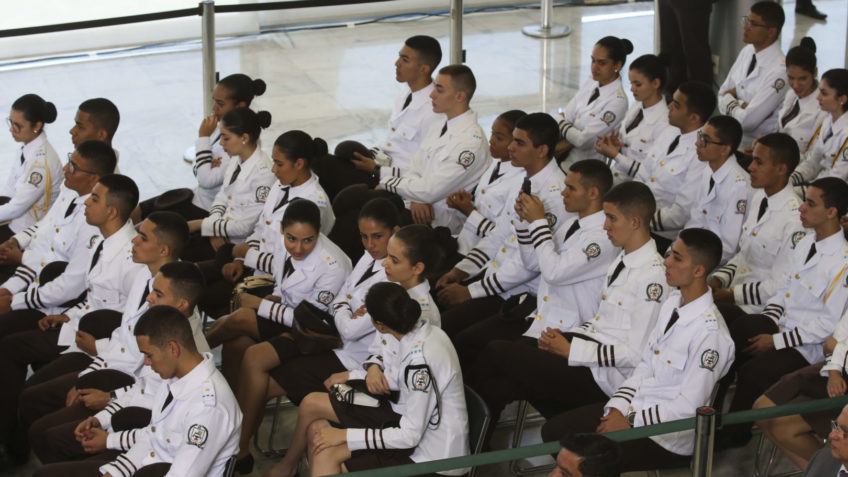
(479, 419)
(230, 468)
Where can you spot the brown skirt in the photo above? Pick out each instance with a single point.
(805, 384)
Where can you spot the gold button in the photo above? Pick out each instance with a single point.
(349, 296)
(393, 129)
(503, 250)
(656, 351)
(389, 144)
(744, 270)
(57, 230)
(168, 441)
(672, 169)
(603, 297)
(597, 318)
(538, 317)
(652, 179)
(662, 163)
(152, 454)
(229, 197)
(619, 303)
(483, 191)
(153, 428)
(123, 350)
(704, 211)
(754, 234)
(669, 362)
(810, 287)
(142, 391)
(545, 298)
(787, 294)
(798, 276)
(267, 222)
(384, 342)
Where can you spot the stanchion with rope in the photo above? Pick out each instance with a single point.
(704, 437)
(546, 29)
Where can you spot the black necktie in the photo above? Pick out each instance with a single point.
(636, 121)
(812, 252)
(235, 173)
(22, 157)
(571, 230)
(406, 103)
(71, 208)
(217, 138)
(828, 135)
(96, 257)
(368, 273)
(444, 129)
(144, 297)
(712, 184)
(168, 400)
(594, 96)
(618, 269)
(671, 322)
(288, 268)
(796, 108)
(752, 65)
(674, 144)
(763, 207)
(284, 200)
(495, 173)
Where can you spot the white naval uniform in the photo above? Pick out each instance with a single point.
(239, 202)
(210, 165)
(317, 279)
(435, 422)
(572, 270)
(625, 318)
(763, 91)
(802, 127)
(441, 165)
(765, 249)
(678, 370)
(196, 432)
(497, 255)
(32, 185)
(582, 122)
(356, 333)
(491, 195)
(639, 140)
(721, 209)
(838, 359)
(828, 154)
(408, 126)
(54, 238)
(813, 296)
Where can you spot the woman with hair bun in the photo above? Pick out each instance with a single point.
(599, 105)
(800, 114)
(827, 156)
(34, 181)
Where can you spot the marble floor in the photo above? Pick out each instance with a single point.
(339, 84)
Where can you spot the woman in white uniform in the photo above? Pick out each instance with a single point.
(599, 105)
(800, 114)
(828, 156)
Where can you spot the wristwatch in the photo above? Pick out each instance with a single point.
(631, 418)
(375, 173)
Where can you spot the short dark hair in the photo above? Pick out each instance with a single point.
(186, 280)
(171, 229)
(121, 193)
(837, 79)
(834, 193)
(593, 173)
(381, 210)
(704, 246)
(542, 129)
(302, 210)
(772, 14)
(634, 199)
(511, 117)
(428, 49)
(103, 114)
(728, 130)
(243, 120)
(700, 98)
(462, 78)
(35, 109)
(599, 454)
(392, 306)
(241, 88)
(783, 150)
(163, 324)
(420, 245)
(100, 157)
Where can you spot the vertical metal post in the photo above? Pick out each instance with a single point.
(208, 37)
(704, 437)
(546, 29)
(657, 27)
(456, 53)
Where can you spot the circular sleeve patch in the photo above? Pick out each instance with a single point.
(593, 250)
(197, 435)
(741, 206)
(797, 237)
(779, 84)
(325, 297)
(262, 193)
(35, 178)
(465, 159)
(654, 292)
(709, 359)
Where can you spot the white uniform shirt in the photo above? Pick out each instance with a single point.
(625, 318)
(640, 139)
(679, 369)
(572, 270)
(441, 165)
(721, 209)
(802, 127)
(838, 359)
(763, 90)
(33, 184)
(505, 274)
(499, 181)
(828, 155)
(408, 126)
(583, 121)
(435, 423)
(765, 249)
(239, 202)
(210, 164)
(196, 432)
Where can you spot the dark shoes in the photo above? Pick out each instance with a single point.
(244, 465)
(811, 11)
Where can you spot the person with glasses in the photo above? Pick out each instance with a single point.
(756, 83)
(32, 186)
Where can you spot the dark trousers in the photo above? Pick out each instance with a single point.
(685, 40)
(19, 320)
(730, 312)
(470, 342)
(639, 454)
(89, 467)
(461, 316)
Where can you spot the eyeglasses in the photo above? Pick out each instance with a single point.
(748, 23)
(705, 141)
(73, 167)
(13, 126)
(835, 427)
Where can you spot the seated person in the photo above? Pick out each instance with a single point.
(826, 156)
(96, 119)
(587, 455)
(801, 115)
(687, 353)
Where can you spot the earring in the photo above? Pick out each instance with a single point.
(243, 142)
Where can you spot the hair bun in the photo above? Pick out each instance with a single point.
(320, 147)
(410, 307)
(808, 43)
(258, 87)
(264, 119)
(628, 46)
(49, 112)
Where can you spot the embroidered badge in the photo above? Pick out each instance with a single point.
(262, 193)
(465, 159)
(741, 205)
(92, 240)
(797, 237)
(35, 178)
(779, 84)
(551, 218)
(593, 250)
(654, 292)
(421, 379)
(709, 359)
(197, 435)
(608, 117)
(325, 297)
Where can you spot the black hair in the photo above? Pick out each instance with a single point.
(633, 199)
(651, 67)
(837, 79)
(803, 55)
(244, 121)
(382, 211)
(593, 173)
(103, 114)
(300, 145)
(428, 49)
(728, 131)
(242, 88)
(99, 156)
(392, 306)
(783, 150)
(171, 229)
(35, 109)
(512, 117)
(834, 193)
(542, 130)
(700, 98)
(704, 246)
(462, 78)
(771, 12)
(599, 455)
(420, 245)
(122, 193)
(163, 324)
(302, 210)
(186, 280)
(617, 48)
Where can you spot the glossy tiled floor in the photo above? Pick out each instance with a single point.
(339, 84)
